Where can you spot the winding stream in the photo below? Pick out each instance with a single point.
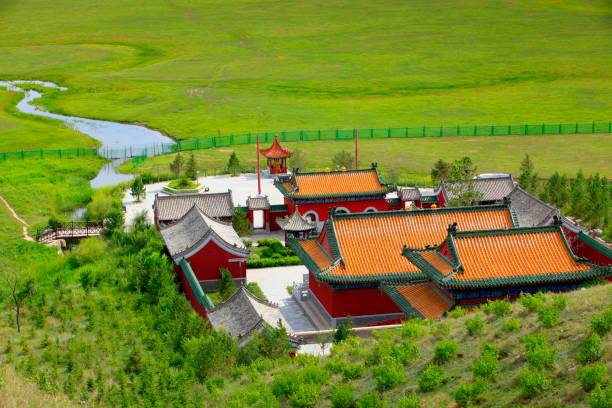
(119, 141)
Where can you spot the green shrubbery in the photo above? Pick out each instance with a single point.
(271, 253)
(487, 365)
(590, 349)
(306, 395)
(475, 326)
(512, 325)
(601, 399)
(341, 396)
(469, 393)
(370, 400)
(602, 323)
(592, 375)
(499, 308)
(431, 378)
(533, 382)
(411, 400)
(445, 351)
(390, 374)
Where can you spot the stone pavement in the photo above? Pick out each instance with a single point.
(273, 282)
(242, 187)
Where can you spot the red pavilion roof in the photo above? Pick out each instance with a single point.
(276, 151)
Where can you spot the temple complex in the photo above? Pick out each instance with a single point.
(354, 253)
(276, 156)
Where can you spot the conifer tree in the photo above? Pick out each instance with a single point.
(177, 165)
(137, 189)
(227, 287)
(233, 164)
(191, 170)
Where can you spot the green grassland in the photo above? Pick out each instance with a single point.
(413, 158)
(192, 69)
(19, 131)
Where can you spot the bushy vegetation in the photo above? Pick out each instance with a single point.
(270, 253)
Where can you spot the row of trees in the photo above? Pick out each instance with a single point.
(588, 199)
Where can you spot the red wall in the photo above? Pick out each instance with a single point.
(356, 302)
(322, 209)
(189, 292)
(206, 262)
(583, 250)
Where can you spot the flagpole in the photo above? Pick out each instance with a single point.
(258, 169)
(356, 151)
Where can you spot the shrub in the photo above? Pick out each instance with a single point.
(412, 329)
(533, 382)
(411, 400)
(539, 354)
(592, 375)
(215, 383)
(406, 352)
(227, 287)
(441, 329)
(305, 396)
(590, 349)
(370, 400)
(445, 351)
(341, 396)
(89, 250)
(247, 243)
(390, 374)
(533, 302)
(290, 289)
(431, 378)
(499, 308)
(343, 331)
(549, 316)
(487, 366)
(314, 374)
(352, 371)
(381, 349)
(512, 325)
(457, 312)
(602, 323)
(284, 384)
(475, 325)
(254, 288)
(559, 302)
(468, 393)
(601, 399)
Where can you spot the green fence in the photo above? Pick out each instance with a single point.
(395, 133)
(50, 154)
(320, 134)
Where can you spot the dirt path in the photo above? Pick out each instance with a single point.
(15, 216)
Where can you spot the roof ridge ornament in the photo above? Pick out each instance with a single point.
(507, 201)
(452, 228)
(374, 165)
(557, 222)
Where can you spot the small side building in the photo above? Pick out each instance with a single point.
(493, 190)
(206, 244)
(169, 209)
(243, 314)
(276, 156)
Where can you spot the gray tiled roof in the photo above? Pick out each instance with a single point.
(492, 189)
(409, 194)
(295, 223)
(243, 312)
(258, 203)
(216, 205)
(195, 227)
(530, 211)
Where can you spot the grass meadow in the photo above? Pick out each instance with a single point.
(414, 158)
(193, 69)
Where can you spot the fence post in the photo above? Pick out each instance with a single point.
(231, 140)
(337, 134)
(441, 131)
(22, 155)
(301, 135)
(475, 130)
(543, 126)
(509, 129)
(609, 127)
(60, 153)
(458, 130)
(405, 132)
(593, 131)
(576, 127)
(492, 131)
(41, 153)
(319, 134)
(424, 130)
(371, 133)
(388, 132)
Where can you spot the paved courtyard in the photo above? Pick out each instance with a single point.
(242, 187)
(273, 282)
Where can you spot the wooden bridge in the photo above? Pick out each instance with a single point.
(70, 230)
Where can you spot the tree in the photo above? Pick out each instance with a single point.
(233, 164)
(343, 331)
(528, 180)
(16, 288)
(177, 165)
(462, 172)
(440, 170)
(227, 287)
(191, 171)
(137, 189)
(241, 223)
(298, 160)
(344, 159)
(578, 196)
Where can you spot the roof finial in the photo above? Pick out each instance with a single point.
(557, 221)
(374, 165)
(296, 170)
(452, 228)
(331, 212)
(507, 201)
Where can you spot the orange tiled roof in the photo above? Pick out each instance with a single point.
(276, 151)
(505, 257)
(316, 253)
(335, 183)
(435, 259)
(425, 300)
(369, 245)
